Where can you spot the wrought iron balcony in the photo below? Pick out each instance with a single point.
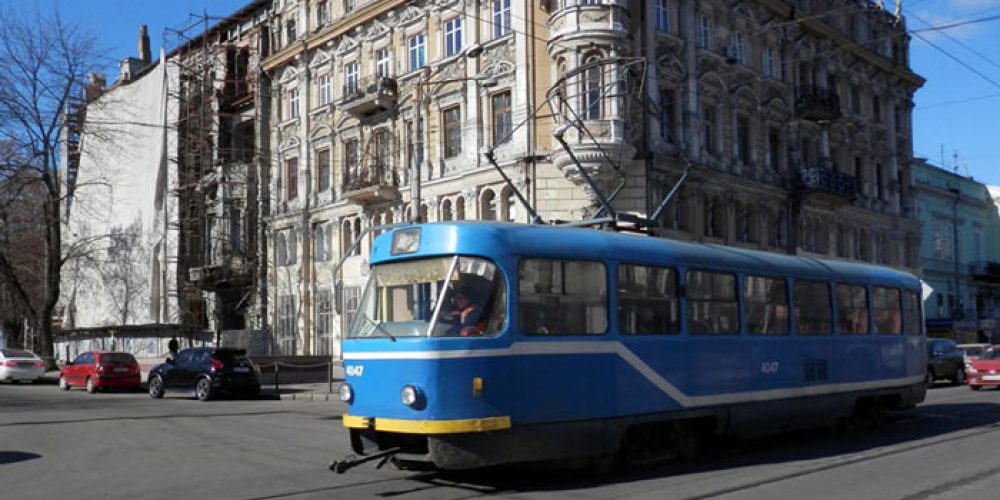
(817, 104)
(987, 271)
(828, 182)
(373, 184)
(369, 96)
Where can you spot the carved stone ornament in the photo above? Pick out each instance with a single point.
(671, 69)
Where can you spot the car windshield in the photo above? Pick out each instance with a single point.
(991, 354)
(230, 356)
(440, 297)
(117, 357)
(16, 353)
(972, 352)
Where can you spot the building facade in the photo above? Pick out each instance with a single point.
(792, 119)
(960, 254)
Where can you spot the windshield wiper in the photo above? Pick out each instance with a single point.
(377, 327)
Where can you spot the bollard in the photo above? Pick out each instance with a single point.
(277, 368)
(329, 370)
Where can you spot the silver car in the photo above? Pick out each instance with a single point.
(16, 365)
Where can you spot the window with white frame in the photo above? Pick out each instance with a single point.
(502, 126)
(351, 78)
(292, 178)
(324, 89)
(291, 33)
(322, 13)
(324, 321)
(663, 15)
(771, 63)
(323, 169)
(452, 118)
(704, 32)
(452, 37)
(592, 87)
(415, 48)
(352, 296)
(382, 62)
(287, 325)
(501, 18)
(737, 50)
(293, 248)
(350, 5)
(293, 103)
(321, 247)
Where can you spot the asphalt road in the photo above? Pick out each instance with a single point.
(55, 444)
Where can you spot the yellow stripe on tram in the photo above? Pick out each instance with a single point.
(429, 426)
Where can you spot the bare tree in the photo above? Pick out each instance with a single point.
(44, 62)
(124, 271)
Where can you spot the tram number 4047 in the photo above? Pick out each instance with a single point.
(769, 367)
(354, 370)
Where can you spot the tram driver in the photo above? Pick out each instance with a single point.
(466, 315)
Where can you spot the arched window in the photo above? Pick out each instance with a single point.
(487, 208)
(293, 248)
(357, 232)
(508, 204)
(446, 210)
(281, 249)
(346, 237)
(592, 87)
(320, 253)
(460, 208)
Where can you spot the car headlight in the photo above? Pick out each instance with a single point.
(346, 393)
(410, 396)
(970, 369)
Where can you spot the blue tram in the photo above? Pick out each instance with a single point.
(577, 343)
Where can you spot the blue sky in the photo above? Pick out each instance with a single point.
(957, 111)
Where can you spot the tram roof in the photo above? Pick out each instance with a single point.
(487, 238)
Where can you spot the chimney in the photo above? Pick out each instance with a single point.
(144, 54)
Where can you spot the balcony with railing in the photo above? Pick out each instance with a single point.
(827, 183)
(985, 271)
(371, 184)
(369, 96)
(817, 104)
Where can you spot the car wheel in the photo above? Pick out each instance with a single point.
(91, 387)
(203, 389)
(959, 377)
(155, 387)
(63, 384)
(930, 377)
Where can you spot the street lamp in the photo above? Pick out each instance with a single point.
(485, 81)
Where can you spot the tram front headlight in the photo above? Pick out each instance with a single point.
(410, 396)
(346, 393)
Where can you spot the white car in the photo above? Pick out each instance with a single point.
(16, 365)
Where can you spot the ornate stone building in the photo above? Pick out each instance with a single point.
(792, 118)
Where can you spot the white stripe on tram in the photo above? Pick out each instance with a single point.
(623, 352)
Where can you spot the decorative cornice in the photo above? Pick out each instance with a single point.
(342, 26)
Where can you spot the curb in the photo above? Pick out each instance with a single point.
(310, 396)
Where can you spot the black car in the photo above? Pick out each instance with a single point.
(206, 372)
(944, 360)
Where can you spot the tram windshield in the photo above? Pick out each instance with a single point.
(440, 297)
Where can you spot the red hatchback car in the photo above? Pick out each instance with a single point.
(101, 370)
(985, 371)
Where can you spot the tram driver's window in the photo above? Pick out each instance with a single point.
(712, 307)
(911, 313)
(766, 304)
(812, 308)
(886, 311)
(852, 309)
(647, 300)
(562, 297)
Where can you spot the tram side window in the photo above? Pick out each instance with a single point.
(911, 313)
(766, 303)
(712, 307)
(562, 297)
(812, 308)
(647, 300)
(886, 311)
(852, 309)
